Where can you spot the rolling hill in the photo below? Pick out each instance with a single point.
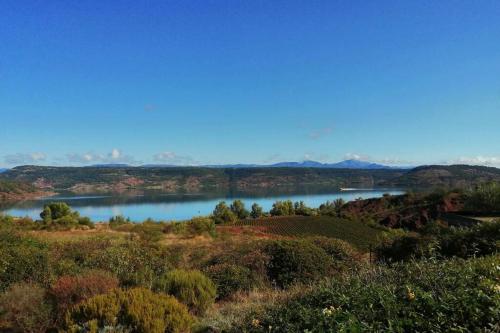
(203, 179)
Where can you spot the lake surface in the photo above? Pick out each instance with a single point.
(161, 206)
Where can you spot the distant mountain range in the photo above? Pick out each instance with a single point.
(347, 164)
(3, 170)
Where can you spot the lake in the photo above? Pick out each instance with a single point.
(162, 206)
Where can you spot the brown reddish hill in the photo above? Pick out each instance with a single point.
(14, 191)
(404, 211)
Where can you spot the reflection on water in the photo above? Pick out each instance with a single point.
(164, 206)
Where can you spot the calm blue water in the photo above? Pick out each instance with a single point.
(174, 207)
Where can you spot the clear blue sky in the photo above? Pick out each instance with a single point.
(190, 82)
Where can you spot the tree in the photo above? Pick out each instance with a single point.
(300, 208)
(56, 210)
(256, 211)
(222, 214)
(238, 208)
(46, 215)
(283, 208)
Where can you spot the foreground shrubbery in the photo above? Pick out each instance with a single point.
(134, 310)
(192, 288)
(448, 296)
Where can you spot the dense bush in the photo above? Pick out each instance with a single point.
(425, 296)
(24, 307)
(230, 278)
(480, 240)
(411, 246)
(192, 288)
(135, 310)
(300, 208)
(296, 261)
(342, 253)
(485, 197)
(69, 290)
(23, 259)
(135, 264)
(200, 225)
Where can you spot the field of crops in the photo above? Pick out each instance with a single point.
(356, 233)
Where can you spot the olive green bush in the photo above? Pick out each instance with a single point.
(294, 261)
(23, 258)
(134, 310)
(191, 287)
(230, 278)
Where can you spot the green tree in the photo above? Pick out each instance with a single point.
(238, 208)
(256, 211)
(223, 214)
(300, 208)
(56, 210)
(283, 208)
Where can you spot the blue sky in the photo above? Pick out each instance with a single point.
(194, 82)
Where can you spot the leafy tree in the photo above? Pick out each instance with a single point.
(56, 210)
(300, 208)
(256, 211)
(238, 208)
(223, 214)
(283, 208)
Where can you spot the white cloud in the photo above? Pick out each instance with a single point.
(477, 160)
(115, 156)
(17, 159)
(169, 157)
(358, 157)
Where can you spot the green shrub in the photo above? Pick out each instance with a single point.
(200, 225)
(294, 261)
(230, 278)
(418, 296)
(135, 310)
(23, 307)
(135, 264)
(192, 288)
(485, 197)
(410, 246)
(342, 253)
(256, 211)
(482, 239)
(23, 258)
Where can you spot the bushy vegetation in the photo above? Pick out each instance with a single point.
(192, 288)
(133, 310)
(58, 215)
(485, 197)
(24, 306)
(307, 273)
(438, 241)
(295, 261)
(418, 296)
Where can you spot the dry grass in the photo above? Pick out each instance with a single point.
(241, 306)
